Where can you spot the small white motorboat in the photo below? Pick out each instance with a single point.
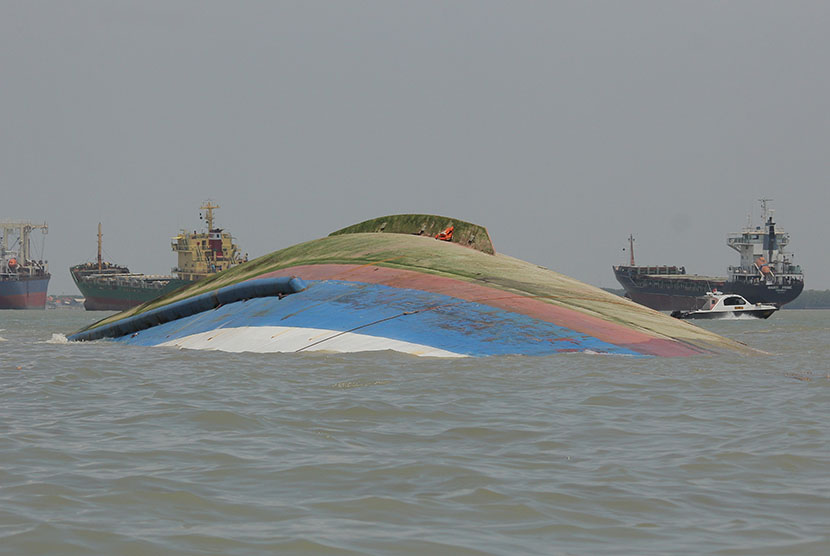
(718, 305)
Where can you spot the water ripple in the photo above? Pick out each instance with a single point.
(111, 449)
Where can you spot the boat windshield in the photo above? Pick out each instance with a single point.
(734, 300)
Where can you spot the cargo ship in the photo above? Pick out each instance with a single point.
(111, 287)
(419, 284)
(766, 273)
(23, 280)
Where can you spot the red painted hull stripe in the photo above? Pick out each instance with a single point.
(33, 300)
(610, 332)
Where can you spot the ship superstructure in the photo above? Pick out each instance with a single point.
(23, 280)
(766, 273)
(108, 287)
(203, 254)
(764, 263)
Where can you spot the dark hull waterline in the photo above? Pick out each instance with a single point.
(683, 294)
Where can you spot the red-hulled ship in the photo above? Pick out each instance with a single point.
(23, 280)
(766, 273)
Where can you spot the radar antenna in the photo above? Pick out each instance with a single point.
(764, 209)
(209, 206)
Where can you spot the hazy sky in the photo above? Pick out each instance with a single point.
(560, 126)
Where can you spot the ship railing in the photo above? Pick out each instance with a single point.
(743, 239)
(792, 270)
(742, 270)
(660, 270)
(756, 237)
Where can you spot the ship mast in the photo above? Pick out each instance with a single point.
(770, 239)
(208, 206)
(764, 209)
(99, 246)
(631, 247)
(24, 230)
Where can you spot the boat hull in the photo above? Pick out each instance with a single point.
(24, 293)
(101, 296)
(353, 316)
(774, 294)
(116, 301)
(408, 293)
(713, 315)
(684, 293)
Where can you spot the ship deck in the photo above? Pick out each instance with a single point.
(693, 277)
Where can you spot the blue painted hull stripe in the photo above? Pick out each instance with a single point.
(406, 315)
(265, 287)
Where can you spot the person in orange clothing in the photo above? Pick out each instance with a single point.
(446, 235)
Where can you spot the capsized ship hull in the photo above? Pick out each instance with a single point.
(24, 292)
(369, 291)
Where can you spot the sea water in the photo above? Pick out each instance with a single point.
(110, 449)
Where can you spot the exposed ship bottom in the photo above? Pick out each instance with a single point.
(683, 292)
(24, 292)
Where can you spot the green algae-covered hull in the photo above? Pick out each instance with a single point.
(411, 293)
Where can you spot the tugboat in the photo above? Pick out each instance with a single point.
(719, 305)
(23, 280)
(766, 273)
(112, 287)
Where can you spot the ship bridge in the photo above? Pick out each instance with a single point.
(762, 249)
(755, 242)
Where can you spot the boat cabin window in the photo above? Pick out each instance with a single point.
(734, 301)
